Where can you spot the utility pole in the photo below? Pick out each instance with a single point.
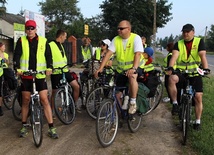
(154, 26)
(205, 35)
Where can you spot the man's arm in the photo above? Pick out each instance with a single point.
(17, 55)
(175, 54)
(203, 57)
(137, 57)
(48, 56)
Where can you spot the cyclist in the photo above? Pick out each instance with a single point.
(60, 60)
(128, 48)
(188, 54)
(86, 49)
(32, 52)
(4, 62)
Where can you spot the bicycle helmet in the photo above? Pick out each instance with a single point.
(149, 51)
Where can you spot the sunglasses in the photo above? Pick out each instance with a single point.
(30, 28)
(103, 44)
(121, 28)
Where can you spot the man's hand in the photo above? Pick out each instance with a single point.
(206, 71)
(169, 70)
(48, 72)
(130, 72)
(97, 72)
(19, 72)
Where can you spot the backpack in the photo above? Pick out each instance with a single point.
(10, 77)
(142, 102)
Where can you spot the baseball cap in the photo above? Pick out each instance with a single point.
(106, 41)
(149, 51)
(30, 23)
(188, 27)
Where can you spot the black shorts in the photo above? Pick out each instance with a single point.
(1, 85)
(196, 82)
(27, 84)
(55, 79)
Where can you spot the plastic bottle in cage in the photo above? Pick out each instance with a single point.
(191, 90)
(125, 103)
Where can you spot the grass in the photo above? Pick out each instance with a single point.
(201, 142)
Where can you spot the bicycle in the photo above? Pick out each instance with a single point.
(185, 108)
(102, 90)
(35, 113)
(63, 101)
(107, 121)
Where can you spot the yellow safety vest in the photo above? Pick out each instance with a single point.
(192, 62)
(40, 56)
(86, 54)
(166, 59)
(149, 67)
(1, 68)
(125, 57)
(58, 59)
(98, 53)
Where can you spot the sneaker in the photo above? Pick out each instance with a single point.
(52, 133)
(197, 126)
(175, 109)
(23, 132)
(1, 112)
(132, 107)
(166, 99)
(78, 109)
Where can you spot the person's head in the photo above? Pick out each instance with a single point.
(169, 46)
(148, 52)
(85, 41)
(143, 40)
(188, 32)
(124, 29)
(2, 47)
(61, 36)
(105, 44)
(30, 28)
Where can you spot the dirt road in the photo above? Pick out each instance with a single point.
(158, 135)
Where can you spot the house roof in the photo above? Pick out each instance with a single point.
(12, 18)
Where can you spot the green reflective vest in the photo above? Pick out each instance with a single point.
(125, 57)
(58, 59)
(40, 56)
(86, 54)
(192, 62)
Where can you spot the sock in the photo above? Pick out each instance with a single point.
(175, 102)
(24, 124)
(198, 121)
(133, 100)
(50, 125)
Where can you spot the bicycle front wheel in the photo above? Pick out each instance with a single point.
(64, 111)
(36, 123)
(94, 100)
(17, 108)
(185, 120)
(107, 123)
(8, 97)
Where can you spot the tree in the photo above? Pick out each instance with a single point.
(139, 12)
(2, 8)
(60, 13)
(210, 39)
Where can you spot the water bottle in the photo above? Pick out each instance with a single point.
(125, 103)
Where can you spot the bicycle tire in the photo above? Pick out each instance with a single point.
(8, 97)
(17, 109)
(36, 123)
(185, 120)
(134, 122)
(155, 101)
(65, 112)
(84, 92)
(95, 99)
(107, 123)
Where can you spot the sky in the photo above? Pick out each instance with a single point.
(198, 13)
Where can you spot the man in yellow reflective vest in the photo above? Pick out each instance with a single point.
(188, 54)
(60, 60)
(128, 49)
(32, 52)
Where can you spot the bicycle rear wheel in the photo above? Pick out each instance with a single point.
(154, 101)
(64, 111)
(107, 123)
(36, 123)
(94, 100)
(17, 108)
(134, 121)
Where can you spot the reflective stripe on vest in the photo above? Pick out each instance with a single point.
(40, 56)
(58, 59)
(149, 67)
(192, 62)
